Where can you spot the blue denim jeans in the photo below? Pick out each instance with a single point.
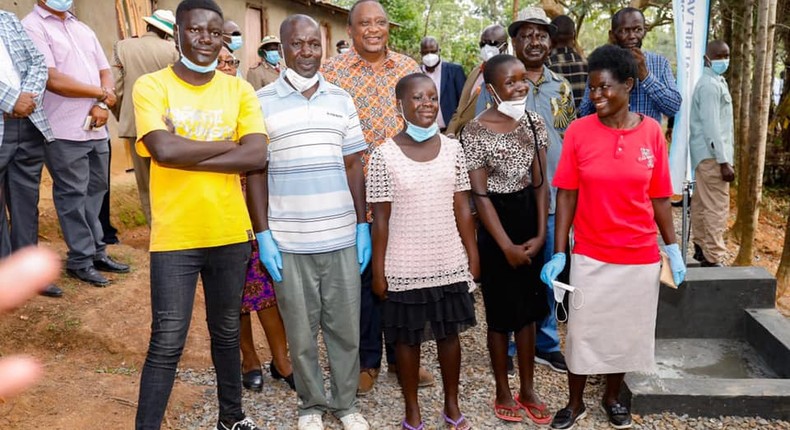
(370, 334)
(547, 339)
(174, 276)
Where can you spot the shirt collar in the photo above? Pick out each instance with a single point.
(44, 14)
(284, 89)
(357, 60)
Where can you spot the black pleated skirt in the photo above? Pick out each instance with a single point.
(517, 297)
(415, 316)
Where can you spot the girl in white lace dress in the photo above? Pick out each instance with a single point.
(424, 251)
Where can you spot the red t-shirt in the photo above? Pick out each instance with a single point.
(617, 173)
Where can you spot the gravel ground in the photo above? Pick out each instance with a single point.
(275, 407)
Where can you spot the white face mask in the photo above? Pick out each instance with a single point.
(487, 52)
(515, 109)
(560, 289)
(430, 60)
(299, 82)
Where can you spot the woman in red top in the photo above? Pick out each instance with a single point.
(614, 187)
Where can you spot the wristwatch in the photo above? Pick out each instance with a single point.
(101, 105)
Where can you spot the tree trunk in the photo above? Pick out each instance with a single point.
(760, 104)
(783, 272)
(742, 115)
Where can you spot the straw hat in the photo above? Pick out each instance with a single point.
(532, 15)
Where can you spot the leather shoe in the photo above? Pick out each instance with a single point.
(707, 263)
(424, 376)
(277, 375)
(89, 275)
(253, 380)
(107, 264)
(367, 379)
(52, 290)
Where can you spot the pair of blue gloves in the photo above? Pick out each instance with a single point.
(271, 258)
(554, 267)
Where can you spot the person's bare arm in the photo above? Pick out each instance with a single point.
(258, 199)
(171, 150)
(465, 223)
(250, 154)
(535, 244)
(662, 213)
(380, 234)
(564, 213)
(108, 82)
(356, 183)
(66, 86)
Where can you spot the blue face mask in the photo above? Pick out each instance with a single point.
(719, 66)
(235, 43)
(421, 134)
(59, 5)
(196, 67)
(272, 57)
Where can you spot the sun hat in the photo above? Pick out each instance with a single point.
(162, 19)
(269, 39)
(532, 15)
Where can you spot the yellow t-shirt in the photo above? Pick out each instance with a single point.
(196, 209)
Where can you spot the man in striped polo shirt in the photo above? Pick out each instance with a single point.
(311, 228)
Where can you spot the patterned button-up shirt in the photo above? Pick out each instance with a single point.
(29, 64)
(654, 96)
(568, 63)
(551, 97)
(373, 91)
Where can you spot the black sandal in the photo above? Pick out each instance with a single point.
(564, 419)
(619, 415)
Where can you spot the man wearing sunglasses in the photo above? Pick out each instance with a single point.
(493, 41)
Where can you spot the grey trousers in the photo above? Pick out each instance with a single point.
(142, 174)
(79, 181)
(322, 291)
(21, 162)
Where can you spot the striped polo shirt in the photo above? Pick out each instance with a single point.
(310, 205)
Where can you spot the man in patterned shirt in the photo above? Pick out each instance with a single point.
(369, 72)
(550, 96)
(655, 92)
(24, 130)
(565, 60)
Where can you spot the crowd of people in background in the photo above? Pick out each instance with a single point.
(367, 196)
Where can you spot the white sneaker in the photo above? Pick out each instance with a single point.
(311, 422)
(355, 421)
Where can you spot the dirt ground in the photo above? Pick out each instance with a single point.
(93, 340)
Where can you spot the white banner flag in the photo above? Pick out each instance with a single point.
(691, 33)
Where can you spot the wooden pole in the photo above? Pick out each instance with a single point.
(515, 9)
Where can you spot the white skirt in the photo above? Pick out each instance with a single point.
(612, 317)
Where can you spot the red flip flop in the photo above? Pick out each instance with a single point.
(513, 409)
(530, 407)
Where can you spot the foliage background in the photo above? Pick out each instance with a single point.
(457, 24)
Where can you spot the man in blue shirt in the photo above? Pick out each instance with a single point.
(655, 92)
(711, 147)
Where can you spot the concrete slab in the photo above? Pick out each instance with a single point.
(766, 398)
(768, 331)
(709, 359)
(710, 303)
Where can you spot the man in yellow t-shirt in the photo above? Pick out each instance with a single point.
(201, 129)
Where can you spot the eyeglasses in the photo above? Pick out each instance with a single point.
(232, 62)
(235, 33)
(491, 43)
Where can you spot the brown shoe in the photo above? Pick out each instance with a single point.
(367, 379)
(426, 378)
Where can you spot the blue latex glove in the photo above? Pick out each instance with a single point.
(552, 269)
(364, 247)
(676, 263)
(269, 254)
